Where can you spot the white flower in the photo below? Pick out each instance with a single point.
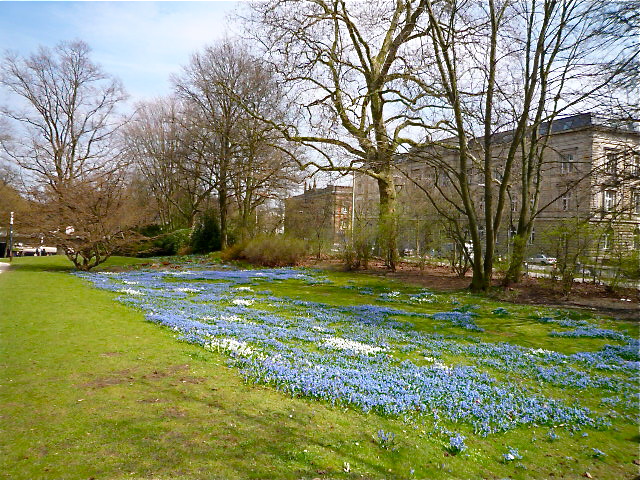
(541, 351)
(187, 290)
(338, 343)
(129, 282)
(180, 274)
(441, 366)
(243, 289)
(231, 345)
(129, 291)
(243, 302)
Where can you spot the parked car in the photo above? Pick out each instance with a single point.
(542, 259)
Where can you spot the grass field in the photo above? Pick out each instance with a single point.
(262, 386)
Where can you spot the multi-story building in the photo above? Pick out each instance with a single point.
(590, 171)
(600, 159)
(321, 215)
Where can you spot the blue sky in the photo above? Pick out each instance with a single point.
(142, 43)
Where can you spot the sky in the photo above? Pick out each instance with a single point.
(142, 43)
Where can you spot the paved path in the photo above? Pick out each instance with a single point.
(3, 266)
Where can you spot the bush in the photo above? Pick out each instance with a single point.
(269, 251)
(630, 266)
(166, 244)
(234, 252)
(357, 253)
(206, 236)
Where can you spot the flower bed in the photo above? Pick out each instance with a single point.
(370, 357)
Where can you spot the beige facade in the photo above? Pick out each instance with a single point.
(590, 171)
(602, 163)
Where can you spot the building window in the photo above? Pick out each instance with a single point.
(566, 201)
(610, 162)
(609, 200)
(635, 199)
(607, 240)
(514, 204)
(636, 239)
(635, 165)
(566, 163)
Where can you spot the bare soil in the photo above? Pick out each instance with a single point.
(623, 303)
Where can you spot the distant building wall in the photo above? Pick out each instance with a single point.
(320, 214)
(591, 171)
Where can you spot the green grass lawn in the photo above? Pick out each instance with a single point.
(89, 389)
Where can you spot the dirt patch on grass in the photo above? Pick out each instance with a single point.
(623, 303)
(116, 378)
(129, 376)
(110, 354)
(175, 412)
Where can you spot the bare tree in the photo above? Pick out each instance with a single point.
(63, 140)
(261, 171)
(353, 79)
(217, 114)
(506, 70)
(163, 139)
(244, 153)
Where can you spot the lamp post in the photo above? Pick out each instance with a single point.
(11, 237)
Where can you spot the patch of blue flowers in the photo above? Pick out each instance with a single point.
(456, 444)
(511, 455)
(459, 319)
(357, 355)
(591, 332)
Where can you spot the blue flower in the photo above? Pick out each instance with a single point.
(511, 455)
(456, 444)
(370, 356)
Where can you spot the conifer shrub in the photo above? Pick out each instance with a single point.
(206, 235)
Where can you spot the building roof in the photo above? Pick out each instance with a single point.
(584, 120)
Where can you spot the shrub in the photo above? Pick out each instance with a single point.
(357, 253)
(273, 251)
(206, 235)
(234, 252)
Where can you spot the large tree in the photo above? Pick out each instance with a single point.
(164, 139)
(506, 70)
(352, 76)
(243, 152)
(64, 121)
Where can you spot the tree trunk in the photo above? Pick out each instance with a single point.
(519, 246)
(479, 281)
(388, 221)
(223, 200)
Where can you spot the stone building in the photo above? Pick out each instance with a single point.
(590, 171)
(602, 160)
(320, 215)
